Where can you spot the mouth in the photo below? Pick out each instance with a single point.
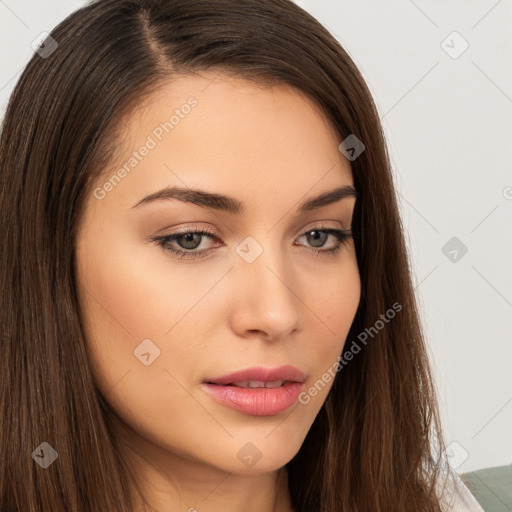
(254, 384)
(258, 377)
(257, 391)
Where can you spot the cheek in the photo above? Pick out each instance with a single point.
(335, 299)
(131, 288)
(336, 305)
(141, 342)
(138, 308)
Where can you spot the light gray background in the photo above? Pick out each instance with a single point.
(449, 127)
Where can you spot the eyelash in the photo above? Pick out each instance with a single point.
(164, 242)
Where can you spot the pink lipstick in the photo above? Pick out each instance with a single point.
(258, 391)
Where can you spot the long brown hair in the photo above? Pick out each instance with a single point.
(376, 444)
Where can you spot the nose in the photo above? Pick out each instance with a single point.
(265, 299)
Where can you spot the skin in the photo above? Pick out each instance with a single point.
(272, 149)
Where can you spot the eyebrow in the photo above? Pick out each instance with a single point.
(232, 205)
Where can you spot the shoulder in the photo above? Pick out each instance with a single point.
(456, 497)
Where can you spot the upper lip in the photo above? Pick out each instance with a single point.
(259, 373)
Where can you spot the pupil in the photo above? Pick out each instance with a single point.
(189, 239)
(316, 238)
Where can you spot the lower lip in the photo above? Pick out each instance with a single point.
(256, 401)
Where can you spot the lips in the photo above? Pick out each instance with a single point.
(259, 377)
(257, 391)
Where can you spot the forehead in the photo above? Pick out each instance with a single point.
(219, 131)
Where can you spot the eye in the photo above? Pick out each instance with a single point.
(318, 236)
(189, 241)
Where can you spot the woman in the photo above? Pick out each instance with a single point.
(206, 298)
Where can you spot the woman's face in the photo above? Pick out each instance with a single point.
(252, 293)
